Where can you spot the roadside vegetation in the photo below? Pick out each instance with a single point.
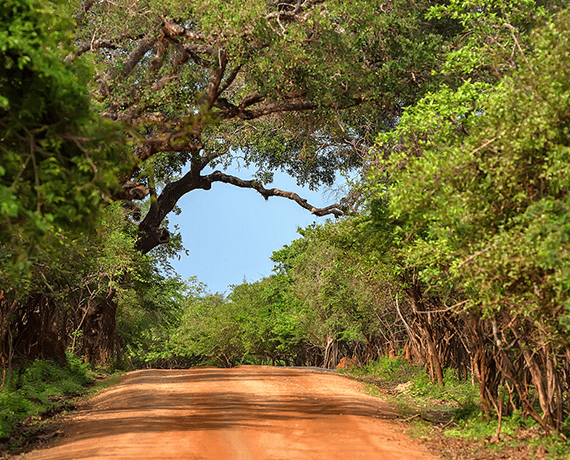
(38, 389)
(447, 270)
(448, 417)
(31, 397)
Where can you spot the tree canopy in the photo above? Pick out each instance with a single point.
(297, 86)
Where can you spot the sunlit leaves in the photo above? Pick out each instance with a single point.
(58, 157)
(479, 178)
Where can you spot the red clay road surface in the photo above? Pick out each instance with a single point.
(245, 413)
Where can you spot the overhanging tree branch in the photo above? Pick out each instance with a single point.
(150, 232)
(90, 46)
(143, 46)
(218, 176)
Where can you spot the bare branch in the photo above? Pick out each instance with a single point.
(174, 29)
(231, 77)
(83, 10)
(144, 46)
(128, 65)
(229, 110)
(251, 100)
(283, 107)
(289, 16)
(171, 33)
(191, 51)
(89, 46)
(208, 157)
(150, 117)
(218, 176)
(216, 78)
(131, 191)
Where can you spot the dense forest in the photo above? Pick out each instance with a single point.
(452, 249)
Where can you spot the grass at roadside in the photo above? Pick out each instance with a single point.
(38, 391)
(449, 417)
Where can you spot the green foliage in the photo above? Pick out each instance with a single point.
(204, 334)
(470, 193)
(326, 287)
(38, 388)
(279, 327)
(149, 316)
(322, 290)
(344, 53)
(58, 158)
(335, 272)
(477, 428)
(495, 31)
(94, 264)
(418, 389)
(456, 406)
(394, 370)
(257, 323)
(555, 447)
(484, 184)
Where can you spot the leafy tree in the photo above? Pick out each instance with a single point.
(58, 157)
(69, 297)
(60, 161)
(476, 188)
(337, 272)
(149, 316)
(257, 323)
(277, 328)
(209, 330)
(275, 85)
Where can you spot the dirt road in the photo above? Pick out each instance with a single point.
(244, 413)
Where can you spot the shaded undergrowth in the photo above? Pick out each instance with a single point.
(36, 392)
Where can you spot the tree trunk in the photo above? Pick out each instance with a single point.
(100, 342)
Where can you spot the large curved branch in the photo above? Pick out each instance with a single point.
(216, 78)
(229, 110)
(281, 107)
(89, 46)
(231, 77)
(151, 234)
(176, 30)
(183, 141)
(143, 46)
(218, 176)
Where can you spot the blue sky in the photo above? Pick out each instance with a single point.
(231, 232)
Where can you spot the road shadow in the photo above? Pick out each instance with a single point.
(131, 408)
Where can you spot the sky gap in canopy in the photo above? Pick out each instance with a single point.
(230, 233)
